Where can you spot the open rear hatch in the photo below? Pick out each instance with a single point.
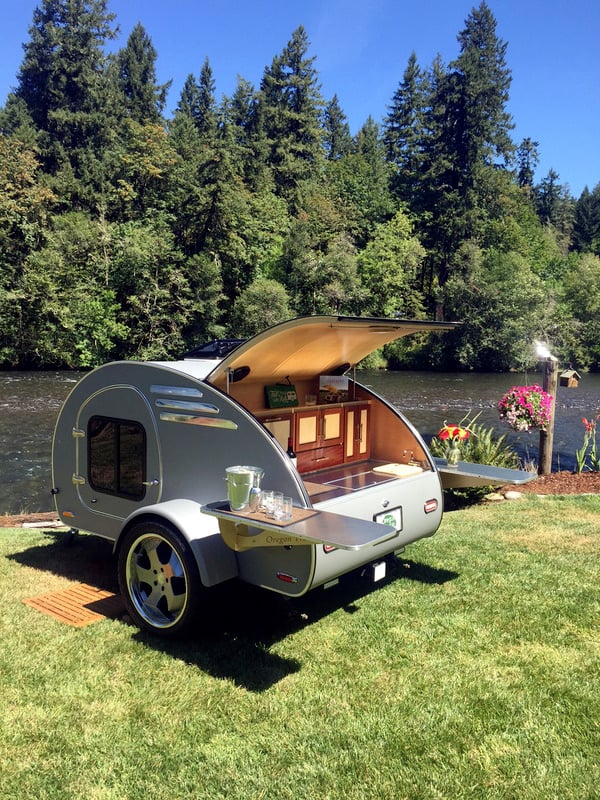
(309, 346)
(303, 348)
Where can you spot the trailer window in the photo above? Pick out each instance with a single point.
(117, 457)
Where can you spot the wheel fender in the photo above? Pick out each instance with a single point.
(216, 562)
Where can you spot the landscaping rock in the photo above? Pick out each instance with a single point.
(494, 497)
(513, 495)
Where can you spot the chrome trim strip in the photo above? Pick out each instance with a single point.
(187, 405)
(207, 422)
(180, 391)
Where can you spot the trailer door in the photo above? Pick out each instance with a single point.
(118, 467)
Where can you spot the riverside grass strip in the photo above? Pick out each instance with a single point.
(471, 673)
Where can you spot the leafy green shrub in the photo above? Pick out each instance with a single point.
(483, 446)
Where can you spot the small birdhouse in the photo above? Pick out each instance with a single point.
(570, 378)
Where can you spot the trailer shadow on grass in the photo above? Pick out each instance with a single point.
(241, 622)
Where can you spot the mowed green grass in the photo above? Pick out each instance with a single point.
(472, 671)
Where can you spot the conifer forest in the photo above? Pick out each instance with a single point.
(131, 231)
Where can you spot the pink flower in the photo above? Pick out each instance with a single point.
(526, 407)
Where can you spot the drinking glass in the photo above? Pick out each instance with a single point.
(277, 505)
(266, 502)
(286, 508)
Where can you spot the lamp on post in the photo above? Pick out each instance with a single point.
(550, 383)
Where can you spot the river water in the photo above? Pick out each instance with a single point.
(30, 401)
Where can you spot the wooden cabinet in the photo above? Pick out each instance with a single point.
(319, 458)
(318, 438)
(319, 427)
(357, 440)
(280, 426)
(323, 436)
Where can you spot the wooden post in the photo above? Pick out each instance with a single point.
(547, 437)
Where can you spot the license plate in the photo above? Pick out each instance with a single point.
(391, 516)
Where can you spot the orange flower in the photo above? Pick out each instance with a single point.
(453, 432)
(589, 425)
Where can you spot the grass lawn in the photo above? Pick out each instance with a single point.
(472, 671)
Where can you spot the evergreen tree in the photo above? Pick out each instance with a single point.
(555, 206)
(203, 317)
(586, 225)
(197, 103)
(480, 93)
(184, 137)
(291, 103)
(153, 288)
(62, 81)
(360, 183)
(206, 113)
(16, 121)
(136, 76)
(336, 131)
(438, 207)
(404, 130)
(243, 114)
(467, 130)
(548, 197)
(189, 99)
(527, 161)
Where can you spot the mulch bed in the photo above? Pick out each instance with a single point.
(561, 483)
(17, 520)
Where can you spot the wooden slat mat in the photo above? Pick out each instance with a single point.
(78, 605)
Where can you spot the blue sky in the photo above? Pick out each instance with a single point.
(362, 48)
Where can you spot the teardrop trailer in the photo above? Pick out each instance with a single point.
(141, 451)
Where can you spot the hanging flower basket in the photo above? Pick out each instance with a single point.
(526, 407)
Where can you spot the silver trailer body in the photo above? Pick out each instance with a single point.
(141, 449)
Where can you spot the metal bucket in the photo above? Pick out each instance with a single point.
(241, 480)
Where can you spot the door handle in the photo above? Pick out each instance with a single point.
(153, 482)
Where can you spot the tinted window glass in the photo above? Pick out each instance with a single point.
(116, 457)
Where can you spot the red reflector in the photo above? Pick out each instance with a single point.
(283, 576)
(328, 548)
(431, 505)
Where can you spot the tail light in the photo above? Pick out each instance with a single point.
(286, 577)
(430, 506)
